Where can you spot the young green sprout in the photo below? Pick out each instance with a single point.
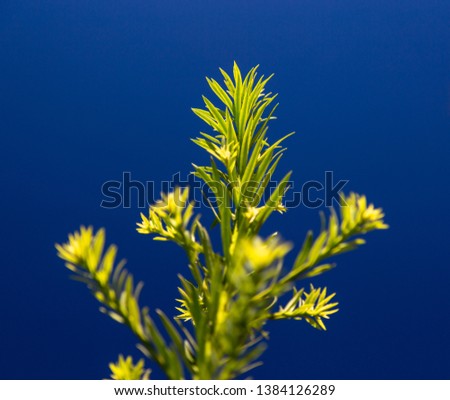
(233, 288)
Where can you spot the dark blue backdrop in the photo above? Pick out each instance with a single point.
(89, 89)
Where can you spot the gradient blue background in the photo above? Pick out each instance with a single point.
(89, 89)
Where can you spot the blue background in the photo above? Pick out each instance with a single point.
(89, 89)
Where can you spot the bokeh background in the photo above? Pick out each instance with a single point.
(89, 89)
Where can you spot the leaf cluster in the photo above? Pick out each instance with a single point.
(233, 287)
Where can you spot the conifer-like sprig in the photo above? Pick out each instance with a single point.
(234, 287)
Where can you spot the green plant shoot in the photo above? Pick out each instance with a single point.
(230, 289)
